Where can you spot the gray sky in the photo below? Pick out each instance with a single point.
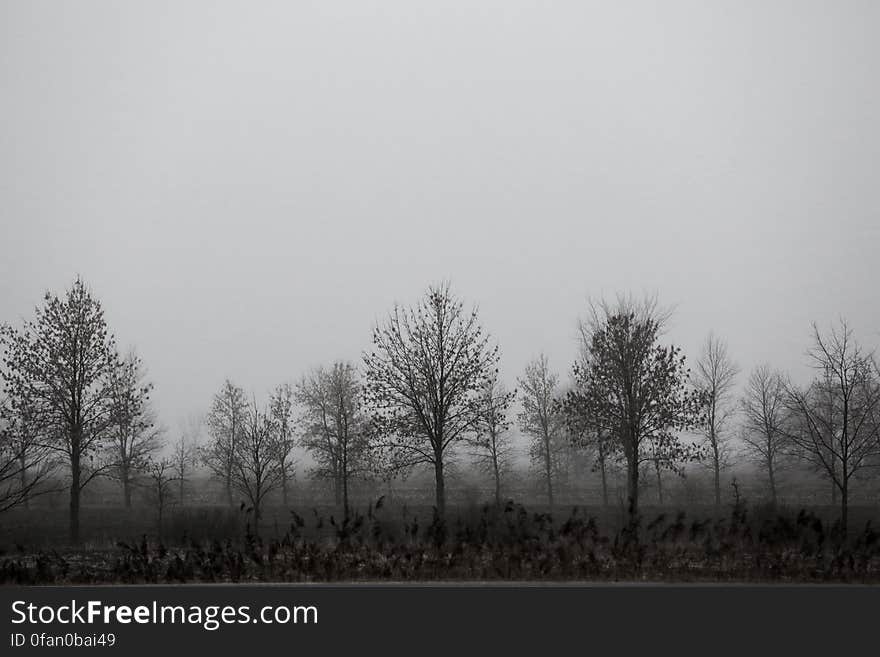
(249, 186)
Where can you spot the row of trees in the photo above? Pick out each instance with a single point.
(432, 382)
(431, 388)
(251, 450)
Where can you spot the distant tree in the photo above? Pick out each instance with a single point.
(764, 413)
(26, 462)
(225, 422)
(132, 436)
(281, 409)
(256, 468)
(160, 478)
(334, 426)
(490, 443)
(61, 367)
(714, 377)
(424, 378)
(634, 389)
(834, 425)
(542, 420)
(185, 452)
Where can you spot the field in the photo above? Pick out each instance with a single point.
(400, 543)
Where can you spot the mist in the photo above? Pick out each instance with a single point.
(249, 189)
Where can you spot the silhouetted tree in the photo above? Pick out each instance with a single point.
(61, 367)
(160, 478)
(765, 414)
(715, 375)
(835, 425)
(334, 426)
(132, 436)
(490, 442)
(225, 423)
(542, 420)
(424, 379)
(635, 389)
(185, 452)
(281, 408)
(256, 467)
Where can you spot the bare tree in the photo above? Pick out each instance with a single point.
(334, 426)
(541, 420)
(256, 467)
(764, 414)
(281, 408)
(424, 378)
(490, 443)
(835, 427)
(160, 477)
(225, 422)
(634, 389)
(60, 365)
(132, 436)
(185, 451)
(715, 375)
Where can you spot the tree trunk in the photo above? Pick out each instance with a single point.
(497, 472)
(180, 492)
(659, 482)
(74, 490)
(337, 482)
(633, 486)
(126, 487)
(548, 470)
(23, 464)
(345, 487)
(833, 460)
(440, 486)
(603, 473)
(229, 488)
(844, 507)
(257, 518)
(716, 463)
(772, 475)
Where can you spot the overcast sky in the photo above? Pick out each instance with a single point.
(249, 186)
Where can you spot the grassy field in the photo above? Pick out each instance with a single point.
(102, 527)
(401, 543)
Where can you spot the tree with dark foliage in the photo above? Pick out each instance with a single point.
(281, 408)
(636, 390)
(61, 366)
(424, 377)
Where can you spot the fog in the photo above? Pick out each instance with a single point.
(249, 188)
